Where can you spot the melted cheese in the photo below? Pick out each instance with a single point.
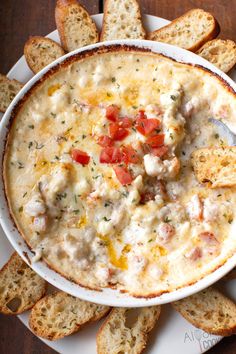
(80, 218)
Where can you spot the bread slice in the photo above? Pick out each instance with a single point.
(41, 51)
(215, 167)
(220, 52)
(58, 315)
(122, 20)
(126, 330)
(189, 31)
(75, 26)
(8, 90)
(230, 276)
(209, 310)
(20, 286)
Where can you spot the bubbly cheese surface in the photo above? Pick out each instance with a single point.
(144, 226)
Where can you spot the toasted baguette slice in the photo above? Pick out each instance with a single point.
(75, 26)
(122, 20)
(20, 286)
(220, 52)
(126, 330)
(230, 276)
(41, 51)
(58, 315)
(215, 167)
(8, 90)
(209, 310)
(189, 31)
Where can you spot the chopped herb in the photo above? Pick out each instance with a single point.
(154, 79)
(230, 220)
(71, 87)
(133, 129)
(62, 122)
(30, 144)
(137, 69)
(95, 177)
(75, 198)
(107, 203)
(57, 157)
(167, 219)
(20, 165)
(53, 114)
(113, 79)
(105, 219)
(119, 67)
(171, 136)
(20, 209)
(183, 153)
(174, 98)
(108, 94)
(83, 136)
(38, 146)
(219, 195)
(135, 107)
(76, 211)
(138, 60)
(217, 136)
(24, 194)
(150, 240)
(61, 196)
(31, 126)
(124, 194)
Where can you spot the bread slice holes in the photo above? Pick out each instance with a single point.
(14, 304)
(131, 317)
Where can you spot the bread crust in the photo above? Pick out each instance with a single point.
(218, 58)
(61, 12)
(16, 265)
(186, 306)
(39, 39)
(76, 58)
(213, 34)
(104, 23)
(61, 297)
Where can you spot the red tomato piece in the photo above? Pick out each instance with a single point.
(156, 140)
(125, 122)
(112, 113)
(141, 115)
(105, 141)
(110, 155)
(117, 133)
(159, 151)
(80, 156)
(147, 126)
(123, 175)
(129, 155)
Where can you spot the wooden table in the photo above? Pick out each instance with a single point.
(22, 18)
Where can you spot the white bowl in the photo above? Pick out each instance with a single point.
(106, 296)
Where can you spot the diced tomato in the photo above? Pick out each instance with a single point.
(125, 122)
(110, 155)
(147, 126)
(156, 140)
(112, 113)
(129, 155)
(117, 133)
(141, 115)
(105, 141)
(80, 156)
(123, 175)
(159, 151)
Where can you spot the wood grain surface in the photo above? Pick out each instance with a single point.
(21, 18)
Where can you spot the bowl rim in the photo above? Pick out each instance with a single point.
(112, 297)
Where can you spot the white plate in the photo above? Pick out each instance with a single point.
(173, 332)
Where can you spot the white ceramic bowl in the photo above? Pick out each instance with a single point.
(107, 296)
